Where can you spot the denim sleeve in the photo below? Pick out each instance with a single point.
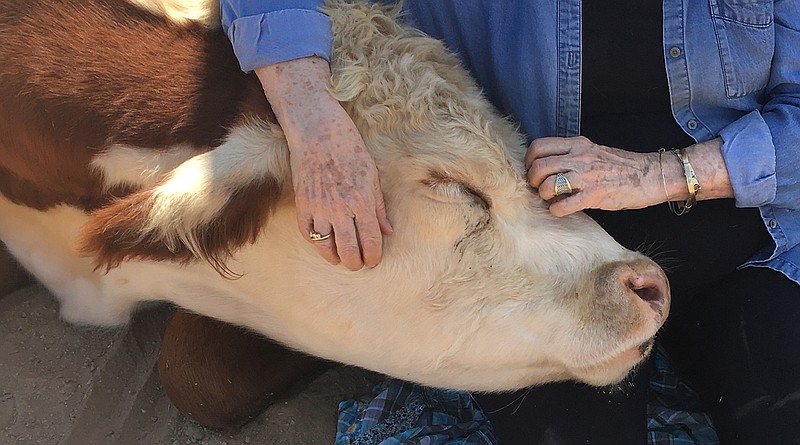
(264, 32)
(762, 149)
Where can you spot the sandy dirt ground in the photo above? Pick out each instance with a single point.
(62, 384)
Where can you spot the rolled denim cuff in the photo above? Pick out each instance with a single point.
(266, 39)
(750, 159)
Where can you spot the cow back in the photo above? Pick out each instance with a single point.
(79, 76)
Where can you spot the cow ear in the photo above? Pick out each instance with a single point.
(206, 209)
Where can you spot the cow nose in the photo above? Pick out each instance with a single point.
(650, 284)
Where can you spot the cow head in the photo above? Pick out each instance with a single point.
(480, 246)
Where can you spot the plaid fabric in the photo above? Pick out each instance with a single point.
(674, 414)
(403, 413)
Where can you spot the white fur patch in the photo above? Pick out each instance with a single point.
(42, 241)
(182, 11)
(124, 165)
(198, 190)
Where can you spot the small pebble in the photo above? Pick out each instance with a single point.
(194, 431)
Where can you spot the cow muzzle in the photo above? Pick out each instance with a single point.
(630, 305)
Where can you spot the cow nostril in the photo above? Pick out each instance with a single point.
(648, 293)
(651, 289)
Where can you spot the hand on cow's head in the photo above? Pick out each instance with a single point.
(335, 181)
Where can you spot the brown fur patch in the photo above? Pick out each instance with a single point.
(222, 375)
(114, 233)
(79, 75)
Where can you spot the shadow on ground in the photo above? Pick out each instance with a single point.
(71, 385)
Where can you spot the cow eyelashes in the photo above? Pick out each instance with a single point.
(447, 189)
(452, 190)
(477, 196)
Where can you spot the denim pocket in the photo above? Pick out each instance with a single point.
(746, 40)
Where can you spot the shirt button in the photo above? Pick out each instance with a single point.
(692, 124)
(773, 223)
(674, 52)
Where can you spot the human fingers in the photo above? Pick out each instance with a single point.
(610, 184)
(546, 168)
(550, 146)
(552, 187)
(548, 156)
(324, 241)
(370, 240)
(569, 204)
(570, 192)
(370, 223)
(380, 214)
(347, 245)
(371, 231)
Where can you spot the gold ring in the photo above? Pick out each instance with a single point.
(316, 236)
(563, 187)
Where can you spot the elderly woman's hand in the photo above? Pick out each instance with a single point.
(612, 179)
(335, 178)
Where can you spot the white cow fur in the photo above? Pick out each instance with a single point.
(182, 11)
(513, 305)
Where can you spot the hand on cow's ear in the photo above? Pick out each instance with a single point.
(336, 184)
(600, 177)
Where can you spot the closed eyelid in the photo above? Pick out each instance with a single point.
(441, 179)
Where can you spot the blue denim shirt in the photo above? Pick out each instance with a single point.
(733, 68)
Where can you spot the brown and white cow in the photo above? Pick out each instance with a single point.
(137, 162)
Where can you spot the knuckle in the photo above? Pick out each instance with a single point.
(371, 243)
(348, 250)
(539, 165)
(535, 148)
(324, 247)
(588, 157)
(546, 193)
(537, 174)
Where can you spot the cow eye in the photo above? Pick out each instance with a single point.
(452, 190)
(477, 197)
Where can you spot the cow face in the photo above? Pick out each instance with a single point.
(499, 280)
(485, 288)
(509, 294)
